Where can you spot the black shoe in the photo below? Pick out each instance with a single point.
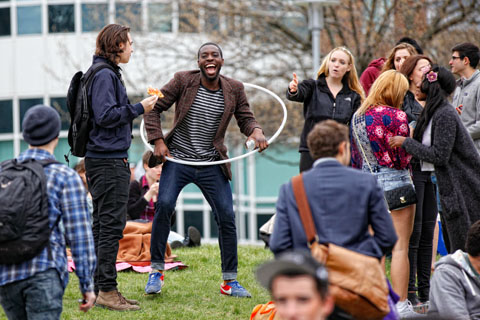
(177, 244)
(193, 238)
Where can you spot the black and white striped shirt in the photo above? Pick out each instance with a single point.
(193, 137)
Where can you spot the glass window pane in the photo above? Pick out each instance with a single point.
(129, 14)
(61, 18)
(188, 21)
(26, 104)
(160, 17)
(5, 29)
(6, 120)
(6, 150)
(298, 25)
(212, 22)
(94, 16)
(60, 104)
(29, 20)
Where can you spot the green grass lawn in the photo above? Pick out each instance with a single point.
(192, 293)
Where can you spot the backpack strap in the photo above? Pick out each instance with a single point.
(44, 163)
(304, 208)
(88, 76)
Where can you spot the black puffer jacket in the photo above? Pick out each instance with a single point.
(319, 104)
(411, 107)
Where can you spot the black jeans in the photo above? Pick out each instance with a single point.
(421, 240)
(306, 161)
(108, 182)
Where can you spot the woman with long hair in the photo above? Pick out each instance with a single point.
(441, 140)
(379, 118)
(414, 68)
(398, 55)
(421, 240)
(335, 94)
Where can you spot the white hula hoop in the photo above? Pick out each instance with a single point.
(211, 163)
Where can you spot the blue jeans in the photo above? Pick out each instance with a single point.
(38, 297)
(216, 189)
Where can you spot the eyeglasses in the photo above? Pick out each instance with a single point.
(454, 57)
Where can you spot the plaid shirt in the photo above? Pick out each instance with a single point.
(66, 197)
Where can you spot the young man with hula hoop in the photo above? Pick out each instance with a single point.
(205, 103)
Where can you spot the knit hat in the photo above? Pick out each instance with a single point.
(41, 125)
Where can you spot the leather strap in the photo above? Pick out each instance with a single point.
(304, 208)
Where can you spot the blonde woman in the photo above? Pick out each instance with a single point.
(335, 94)
(377, 120)
(398, 55)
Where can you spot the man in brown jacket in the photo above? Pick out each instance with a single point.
(205, 103)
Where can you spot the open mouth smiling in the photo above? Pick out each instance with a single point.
(210, 68)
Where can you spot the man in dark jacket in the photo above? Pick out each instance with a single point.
(344, 201)
(106, 160)
(205, 103)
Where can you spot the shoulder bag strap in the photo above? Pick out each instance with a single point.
(304, 208)
(359, 143)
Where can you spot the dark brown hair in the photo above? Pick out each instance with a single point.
(472, 245)
(411, 62)
(146, 156)
(325, 137)
(109, 39)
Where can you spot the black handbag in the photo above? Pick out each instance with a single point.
(401, 197)
(397, 198)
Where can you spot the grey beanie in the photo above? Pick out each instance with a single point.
(41, 125)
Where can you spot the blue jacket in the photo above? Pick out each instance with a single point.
(344, 202)
(113, 114)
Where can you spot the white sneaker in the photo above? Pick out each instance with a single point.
(405, 310)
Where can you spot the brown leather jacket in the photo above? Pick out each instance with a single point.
(182, 90)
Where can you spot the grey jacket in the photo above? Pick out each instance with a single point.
(467, 94)
(455, 289)
(457, 165)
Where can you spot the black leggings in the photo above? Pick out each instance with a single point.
(421, 240)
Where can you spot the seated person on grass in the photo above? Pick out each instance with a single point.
(142, 197)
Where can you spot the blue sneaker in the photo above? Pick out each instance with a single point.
(234, 289)
(155, 283)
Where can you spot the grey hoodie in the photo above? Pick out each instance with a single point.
(455, 289)
(467, 94)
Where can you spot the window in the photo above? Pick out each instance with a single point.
(160, 17)
(6, 120)
(298, 25)
(212, 22)
(60, 104)
(188, 21)
(29, 20)
(6, 150)
(61, 18)
(5, 29)
(129, 14)
(94, 16)
(26, 104)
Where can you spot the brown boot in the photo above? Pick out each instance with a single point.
(130, 301)
(114, 301)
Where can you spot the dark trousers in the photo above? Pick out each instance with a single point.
(421, 240)
(37, 297)
(216, 189)
(306, 161)
(108, 182)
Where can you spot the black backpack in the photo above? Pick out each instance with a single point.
(80, 109)
(24, 222)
